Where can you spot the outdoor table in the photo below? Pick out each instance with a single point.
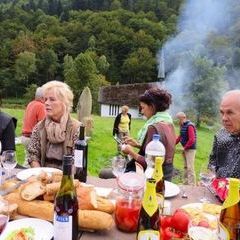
(194, 193)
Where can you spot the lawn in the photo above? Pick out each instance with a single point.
(102, 146)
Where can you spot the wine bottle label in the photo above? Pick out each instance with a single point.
(151, 205)
(148, 235)
(223, 233)
(78, 158)
(62, 227)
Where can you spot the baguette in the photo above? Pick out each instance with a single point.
(94, 220)
(52, 188)
(36, 208)
(87, 198)
(32, 190)
(105, 205)
(87, 219)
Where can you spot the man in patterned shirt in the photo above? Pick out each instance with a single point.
(225, 156)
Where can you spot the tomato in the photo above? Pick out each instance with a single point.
(180, 221)
(168, 233)
(126, 215)
(165, 221)
(203, 223)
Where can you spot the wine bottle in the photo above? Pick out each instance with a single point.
(230, 214)
(81, 156)
(149, 219)
(66, 206)
(160, 185)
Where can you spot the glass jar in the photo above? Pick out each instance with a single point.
(128, 201)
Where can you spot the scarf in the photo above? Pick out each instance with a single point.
(56, 132)
(158, 117)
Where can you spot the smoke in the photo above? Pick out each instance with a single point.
(198, 22)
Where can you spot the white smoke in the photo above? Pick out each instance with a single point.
(198, 21)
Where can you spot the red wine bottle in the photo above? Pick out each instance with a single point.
(66, 206)
(81, 156)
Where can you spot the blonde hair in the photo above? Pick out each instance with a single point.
(62, 91)
(125, 108)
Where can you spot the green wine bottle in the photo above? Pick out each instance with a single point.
(66, 206)
(149, 219)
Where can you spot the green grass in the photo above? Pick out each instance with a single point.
(102, 146)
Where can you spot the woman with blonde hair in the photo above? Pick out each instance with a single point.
(55, 135)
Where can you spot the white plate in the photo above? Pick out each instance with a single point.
(25, 174)
(171, 189)
(43, 230)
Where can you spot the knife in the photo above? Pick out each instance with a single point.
(9, 190)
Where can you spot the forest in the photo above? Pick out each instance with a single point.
(95, 43)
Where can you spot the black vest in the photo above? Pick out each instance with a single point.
(184, 134)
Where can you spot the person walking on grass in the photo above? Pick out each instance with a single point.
(188, 139)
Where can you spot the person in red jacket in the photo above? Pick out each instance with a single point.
(34, 113)
(188, 139)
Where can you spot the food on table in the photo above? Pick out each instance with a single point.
(211, 208)
(21, 234)
(180, 220)
(127, 214)
(7, 209)
(202, 233)
(32, 190)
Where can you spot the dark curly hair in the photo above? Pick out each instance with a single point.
(160, 99)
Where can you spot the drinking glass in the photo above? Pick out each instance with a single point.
(9, 160)
(207, 174)
(118, 165)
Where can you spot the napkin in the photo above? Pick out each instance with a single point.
(220, 187)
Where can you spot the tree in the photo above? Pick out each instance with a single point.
(25, 65)
(206, 88)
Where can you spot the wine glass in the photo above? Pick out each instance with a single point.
(118, 165)
(4, 215)
(9, 160)
(207, 174)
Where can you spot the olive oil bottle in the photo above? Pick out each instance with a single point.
(149, 219)
(160, 185)
(66, 206)
(230, 214)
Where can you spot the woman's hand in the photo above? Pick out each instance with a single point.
(131, 141)
(128, 150)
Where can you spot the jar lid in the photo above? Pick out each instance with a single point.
(131, 182)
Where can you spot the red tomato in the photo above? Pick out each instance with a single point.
(169, 233)
(180, 221)
(165, 221)
(203, 223)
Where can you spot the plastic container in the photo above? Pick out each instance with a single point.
(128, 201)
(154, 149)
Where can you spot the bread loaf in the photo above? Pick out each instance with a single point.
(52, 188)
(87, 219)
(105, 205)
(32, 190)
(87, 198)
(94, 220)
(36, 208)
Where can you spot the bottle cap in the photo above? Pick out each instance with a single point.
(156, 137)
(131, 182)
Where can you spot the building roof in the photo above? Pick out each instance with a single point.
(125, 94)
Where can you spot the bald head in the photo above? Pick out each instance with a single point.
(230, 111)
(181, 117)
